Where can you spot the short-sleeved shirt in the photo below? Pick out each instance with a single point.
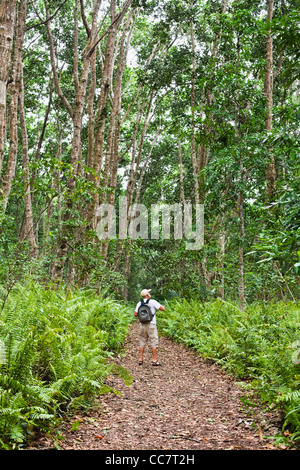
(154, 305)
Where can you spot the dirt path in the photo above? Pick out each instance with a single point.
(185, 404)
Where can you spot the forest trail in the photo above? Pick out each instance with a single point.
(185, 404)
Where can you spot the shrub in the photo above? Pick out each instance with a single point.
(57, 345)
(257, 345)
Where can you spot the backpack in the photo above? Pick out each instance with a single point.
(144, 312)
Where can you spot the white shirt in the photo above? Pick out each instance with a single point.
(154, 305)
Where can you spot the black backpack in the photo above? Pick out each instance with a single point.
(144, 312)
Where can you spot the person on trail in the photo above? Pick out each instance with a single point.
(148, 330)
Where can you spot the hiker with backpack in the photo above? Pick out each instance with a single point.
(146, 313)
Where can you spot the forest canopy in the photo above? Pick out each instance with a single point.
(158, 102)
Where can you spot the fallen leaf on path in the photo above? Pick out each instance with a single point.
(170, 411)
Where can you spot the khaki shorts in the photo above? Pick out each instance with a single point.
(148, 331)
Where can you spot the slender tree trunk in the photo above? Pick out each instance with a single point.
(126, 272)
(201, 162)
(133, 173)
(140, 182)
(28, 226)
(220, 256)
(106, 81)
(112, 157)
(130, 187)
(7, 22)
(268, 87)
(42, 136)
(13, 145)
(182, 196)
(112, 151)
(91, 115)
(193, 104)
(13, 106)
(55, 186)
(102, 113)
(241, 252)
(240, 199)
(76, 114)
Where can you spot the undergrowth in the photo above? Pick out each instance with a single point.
(261, 345)
(54, 350)
(55, 346)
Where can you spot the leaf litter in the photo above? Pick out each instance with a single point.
(187, 404)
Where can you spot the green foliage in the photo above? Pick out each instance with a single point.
(260, 344)
(56, 345)
(49, 366)
(226, 120)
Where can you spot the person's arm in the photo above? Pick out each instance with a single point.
(158, 306)
(136, 309)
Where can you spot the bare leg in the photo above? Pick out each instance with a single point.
(154, 354)
(141, 354)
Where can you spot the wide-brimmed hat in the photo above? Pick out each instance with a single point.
(145, 292)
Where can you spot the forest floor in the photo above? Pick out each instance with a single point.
(186, 404)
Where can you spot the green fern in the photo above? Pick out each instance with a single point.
(254, 344)
(57, 344)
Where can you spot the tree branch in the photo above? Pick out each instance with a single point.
(48, 19)
(117, 20)
(55, 75)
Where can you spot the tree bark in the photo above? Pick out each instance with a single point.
(200, 164)
(193, 104)
(268, 88)
(102, 111)
(182, 195)
(112, 157)
(28, 225)
(112, 151)
(241, 252)
(76, 113)
(220, 257)
(13, 106)
(7, 22)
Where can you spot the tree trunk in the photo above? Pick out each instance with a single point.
(126, 272)
(268, 88)
(7, 22)
(112, 157)
(76, 114)
(13, 107)
(200, 164)
(241, 252)
(193, 104)
(112, 150)
(220, 256)
(91, 116)
(102, 113)
(54, 184)
(182, 196)
(28, 226)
